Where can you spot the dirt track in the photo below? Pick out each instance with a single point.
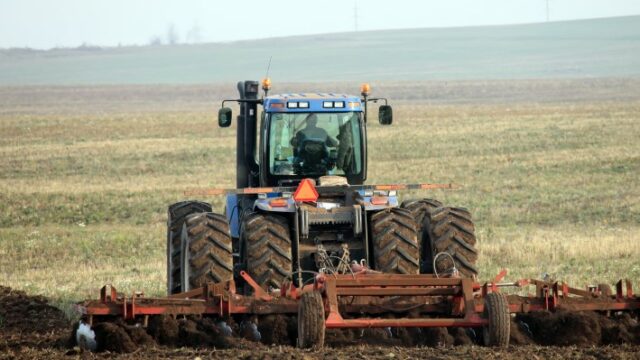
(31, 328)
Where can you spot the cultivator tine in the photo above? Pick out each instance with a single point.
(258, 292)
(620, 293)
(500, 276)
(619, 290)
(496, 284)
(108, 293)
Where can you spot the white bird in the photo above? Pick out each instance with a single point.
(85, 337)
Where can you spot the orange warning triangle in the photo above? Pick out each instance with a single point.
(306, 191)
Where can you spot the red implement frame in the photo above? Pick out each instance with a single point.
(355, 300)
(459, 295)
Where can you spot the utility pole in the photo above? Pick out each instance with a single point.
(355, 16)
(547, 10)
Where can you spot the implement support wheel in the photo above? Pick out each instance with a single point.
(311, 320)
(496, 310)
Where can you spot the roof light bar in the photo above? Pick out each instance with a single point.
(333, 104)
(298, 104)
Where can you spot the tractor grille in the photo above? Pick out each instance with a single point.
(337, 216)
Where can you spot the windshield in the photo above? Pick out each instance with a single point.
(315, 144)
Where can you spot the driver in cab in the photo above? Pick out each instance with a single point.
(313, 132)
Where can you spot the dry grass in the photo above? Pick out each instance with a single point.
(553, 187)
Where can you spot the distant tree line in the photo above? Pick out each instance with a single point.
(172, 37)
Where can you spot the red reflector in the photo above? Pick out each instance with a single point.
(379, 200)
(278, 202)
(306, 191)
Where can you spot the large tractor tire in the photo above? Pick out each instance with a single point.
(266, 245)
(395, 242)
(175, 219)
(451, 231)
(206, 250)
(421, 209)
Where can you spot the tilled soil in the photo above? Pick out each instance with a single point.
(31, 328)
(30, 322)
(362, 352)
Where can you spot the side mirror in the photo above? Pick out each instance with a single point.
(224, 117)
(385, 115)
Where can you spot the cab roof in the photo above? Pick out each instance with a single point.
(312, 102)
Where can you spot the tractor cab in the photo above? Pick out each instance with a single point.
(302, 135)
(312, 135)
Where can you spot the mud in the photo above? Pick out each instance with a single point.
(23, 313)
(347, 352)
(548, 329)
(580, 328)
(277, 330)
(30, 321)
(114, 338)
(520, 333)
(193, 332)
(164, 329)
(140, 336)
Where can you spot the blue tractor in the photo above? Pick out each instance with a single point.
(301, 206)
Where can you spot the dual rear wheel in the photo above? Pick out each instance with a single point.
(206, 250)
(266, 247)
(447, 237)
(176, 217)
(199, 247)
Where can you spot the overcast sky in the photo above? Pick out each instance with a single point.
(49, 23)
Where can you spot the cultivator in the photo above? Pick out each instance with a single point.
(370, 300)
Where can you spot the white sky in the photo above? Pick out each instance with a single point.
(50, 23)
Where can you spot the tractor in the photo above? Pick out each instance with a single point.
(303, 236)
(301, 206)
